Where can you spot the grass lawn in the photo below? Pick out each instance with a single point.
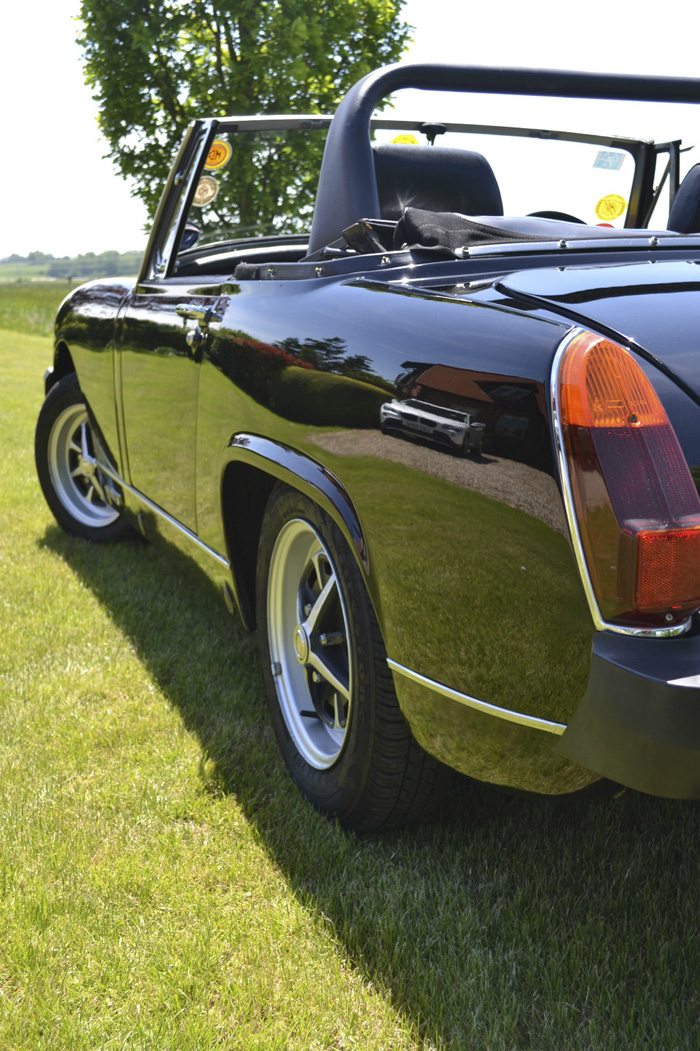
(163, 886)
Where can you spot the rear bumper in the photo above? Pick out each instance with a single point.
(639, 721)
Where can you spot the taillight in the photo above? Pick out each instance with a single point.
(637, 508)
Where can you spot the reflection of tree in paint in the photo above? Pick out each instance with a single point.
(253, 365)
(328, 355)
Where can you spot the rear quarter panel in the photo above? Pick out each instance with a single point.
(469, 564)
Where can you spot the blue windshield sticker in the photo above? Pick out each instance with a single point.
(609, 159)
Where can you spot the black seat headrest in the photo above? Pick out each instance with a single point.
(434, 178)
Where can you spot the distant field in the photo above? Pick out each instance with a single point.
(80, 268)
(30, 306)
(22, 272)
(163, 887)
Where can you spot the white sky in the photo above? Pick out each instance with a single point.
(61, 197)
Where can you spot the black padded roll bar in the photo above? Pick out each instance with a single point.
(347, 188)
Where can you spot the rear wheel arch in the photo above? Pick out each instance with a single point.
(331, 695)
(245, 491)
(255, 466)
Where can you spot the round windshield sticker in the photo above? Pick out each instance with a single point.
(207, 189)
(407, 140)
(610, 207)
(218, 156)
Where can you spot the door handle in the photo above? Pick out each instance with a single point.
(196, 336)
(204, 315)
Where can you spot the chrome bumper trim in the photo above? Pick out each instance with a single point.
(481, 706)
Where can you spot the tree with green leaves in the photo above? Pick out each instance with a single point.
(156, 65)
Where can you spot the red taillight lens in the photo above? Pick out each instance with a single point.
(637, 507)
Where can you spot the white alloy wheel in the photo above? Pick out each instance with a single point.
(71, 478)
(73, 469)
(309, 644)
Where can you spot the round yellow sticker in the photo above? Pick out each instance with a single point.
(218, 156)
(407, 140)
(610, 207)
(207, 189)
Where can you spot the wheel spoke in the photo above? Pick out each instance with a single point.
(320, 604)
(98, 488)
(337, 679)
(340, 713)
(83, 439)
(320, 562)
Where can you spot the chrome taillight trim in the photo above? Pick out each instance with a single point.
(567, 493)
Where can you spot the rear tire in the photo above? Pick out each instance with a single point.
(331, 694)
(70, 478)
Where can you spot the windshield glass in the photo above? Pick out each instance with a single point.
(255, 184)
(586, 181)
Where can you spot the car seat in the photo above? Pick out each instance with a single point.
(684, 216)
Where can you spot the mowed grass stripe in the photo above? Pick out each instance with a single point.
(163, 886)
(140, 905)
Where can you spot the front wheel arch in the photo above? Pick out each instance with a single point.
(62, 366)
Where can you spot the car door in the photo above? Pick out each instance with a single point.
(163, 326)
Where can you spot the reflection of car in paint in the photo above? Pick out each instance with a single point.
(438, 424)
(529, 617)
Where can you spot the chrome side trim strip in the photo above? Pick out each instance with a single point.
(600, 624)
(481, 706)
(116, 477)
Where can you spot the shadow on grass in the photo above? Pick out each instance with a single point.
(503, 922)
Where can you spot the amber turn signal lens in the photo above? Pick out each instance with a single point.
(603, 386)
(637, 508)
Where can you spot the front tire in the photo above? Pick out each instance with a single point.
(70, 477)
(332, 701)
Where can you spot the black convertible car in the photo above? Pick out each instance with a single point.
(439, 442)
